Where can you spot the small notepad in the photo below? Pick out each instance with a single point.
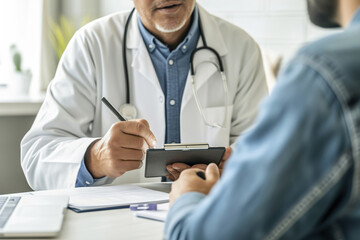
(158, 215)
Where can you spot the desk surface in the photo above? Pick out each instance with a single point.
(113, 224)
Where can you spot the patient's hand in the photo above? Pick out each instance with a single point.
(189, 181)
(176, 168)
(223, 160)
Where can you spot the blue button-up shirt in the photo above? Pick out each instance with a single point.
(172, 69)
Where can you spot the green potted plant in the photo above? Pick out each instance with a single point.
(20, 80)
(62, 32)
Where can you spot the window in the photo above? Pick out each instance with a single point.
(20, 24)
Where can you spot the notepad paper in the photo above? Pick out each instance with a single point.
(159, 215)
(107, 197)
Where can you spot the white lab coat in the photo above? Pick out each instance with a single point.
(72, 115)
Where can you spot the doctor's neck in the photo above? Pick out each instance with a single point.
(171, 37)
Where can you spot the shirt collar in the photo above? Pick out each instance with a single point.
(192, 37)
(356, 18)
(152, 42)
(149, 39)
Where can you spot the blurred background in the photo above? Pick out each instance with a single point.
(34, 34)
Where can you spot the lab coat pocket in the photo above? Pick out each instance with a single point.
(217, 136)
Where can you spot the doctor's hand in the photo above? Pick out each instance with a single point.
(122, 149)
(189, 181)
(176, 168)
(223, 160)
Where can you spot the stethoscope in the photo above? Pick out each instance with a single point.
(129, 111)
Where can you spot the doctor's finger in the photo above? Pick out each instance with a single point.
(170, 177)
(222, 164)
(180, 166)
(174, 173)
(139, 128)
(130, 154)
(227, 153)
(126, 166)
(200, 166)
(143, 121)
(131, 141)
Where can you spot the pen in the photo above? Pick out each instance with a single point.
(141, 207)
(201, 175)
(115, 112)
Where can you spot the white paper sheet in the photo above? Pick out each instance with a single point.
(104, 197)
(159, 215)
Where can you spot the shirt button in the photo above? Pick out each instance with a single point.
(161, 99)
(172, 102)
(87, 183)
(151, 46)
(184, 47)
(171, 62)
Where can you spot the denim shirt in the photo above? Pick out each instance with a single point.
(172, 69)
(296, 173)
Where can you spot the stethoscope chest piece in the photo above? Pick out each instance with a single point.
(128, 111)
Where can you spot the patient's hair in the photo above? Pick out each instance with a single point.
(323, 13)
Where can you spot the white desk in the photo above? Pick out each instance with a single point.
(113, 224)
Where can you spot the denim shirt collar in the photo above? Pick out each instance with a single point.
(356, 18)
(152, 42)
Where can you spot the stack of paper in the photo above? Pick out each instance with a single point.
(109, 197)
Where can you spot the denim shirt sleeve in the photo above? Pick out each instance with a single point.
(84, 178)
(294, 145)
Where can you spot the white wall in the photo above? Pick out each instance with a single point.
(110, 6)
(77, 10)
(280, 25)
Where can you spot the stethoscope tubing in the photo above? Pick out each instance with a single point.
(126, 71)
(192, 69)
(205, 47)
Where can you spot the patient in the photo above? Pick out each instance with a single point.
(296, 173)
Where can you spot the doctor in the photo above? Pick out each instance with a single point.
(141, 63)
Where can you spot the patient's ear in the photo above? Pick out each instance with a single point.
(272, 62)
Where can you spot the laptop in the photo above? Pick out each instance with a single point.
(31, 215)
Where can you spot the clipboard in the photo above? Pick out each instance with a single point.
(199, 153)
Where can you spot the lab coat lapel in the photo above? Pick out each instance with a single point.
(142, 77)
(203, 73)
(141, 62)
(212, 32)
(203, 60)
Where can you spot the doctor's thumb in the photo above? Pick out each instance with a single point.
(212, 173)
